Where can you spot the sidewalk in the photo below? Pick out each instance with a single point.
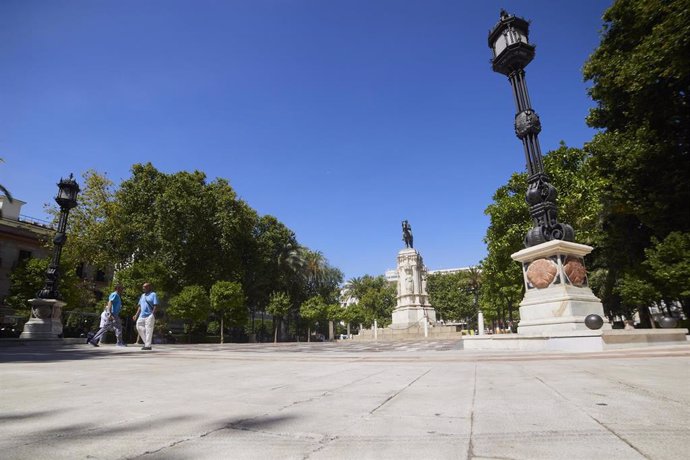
(341, 400)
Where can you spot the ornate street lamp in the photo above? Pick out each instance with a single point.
(46, 309)
(512, 52)
(557, 297)
(66, 199)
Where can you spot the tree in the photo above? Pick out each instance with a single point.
(227, 301)
(89, 239)
(134, 276)
(191, 305)
(377, 300)
(664, 278)
(640, 76)
(321, 278)
(279, 304)
(312, 310)
(161, 228)
(449, 296)
(26, 280)
(28, 277)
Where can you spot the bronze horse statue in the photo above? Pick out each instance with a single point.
(407, 234)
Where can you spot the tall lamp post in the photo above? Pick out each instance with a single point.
(557, 295)
(46, 309)
(511, 53)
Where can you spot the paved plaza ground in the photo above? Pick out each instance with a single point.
(412, 400)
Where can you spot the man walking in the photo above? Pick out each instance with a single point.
(145, 315)
(111, 315)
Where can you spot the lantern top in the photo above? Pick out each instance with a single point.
(506, 20)
(67, 192)
(509, 42)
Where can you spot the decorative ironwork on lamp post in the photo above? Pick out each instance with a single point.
(66, 199)
(511, 54)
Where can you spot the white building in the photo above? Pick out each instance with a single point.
(392, 274)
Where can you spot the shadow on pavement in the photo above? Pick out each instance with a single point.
(22, 352)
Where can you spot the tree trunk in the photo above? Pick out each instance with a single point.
(331, 331)
(309, 334)
(222, 337)
(646, 321)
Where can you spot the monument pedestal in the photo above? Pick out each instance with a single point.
(46, 320)
(413, 307)
(557, 295)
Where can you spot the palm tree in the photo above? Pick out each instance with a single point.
(4, 190)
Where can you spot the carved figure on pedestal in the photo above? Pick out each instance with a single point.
(407, 234)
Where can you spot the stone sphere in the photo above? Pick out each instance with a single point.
(594, 322)
(667, 322)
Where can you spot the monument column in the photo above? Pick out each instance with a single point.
(413, 305)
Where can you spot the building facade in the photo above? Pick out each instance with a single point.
(20, 239)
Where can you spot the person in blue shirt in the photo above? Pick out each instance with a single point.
(145, 315)
(111, 315)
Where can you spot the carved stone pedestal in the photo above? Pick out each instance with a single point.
(413, 305)
(557, 296)
(45, 322)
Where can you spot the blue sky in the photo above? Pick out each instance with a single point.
(340, 117)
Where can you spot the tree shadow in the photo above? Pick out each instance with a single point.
(29, 352)
(92, 434)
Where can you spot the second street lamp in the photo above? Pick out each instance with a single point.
(66, 199)
(46, 309)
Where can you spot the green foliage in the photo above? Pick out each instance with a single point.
(313, 310)
(641, 82)
(376, 299)
(191, 305)
(89, 238)
(320, 278)
(279, 305)
(135, 275)
(180, 230)
(663, 276)
(213, 328)
(227, 301)
(29, 277)
(669, 264)
(449, 296)
(25, 281)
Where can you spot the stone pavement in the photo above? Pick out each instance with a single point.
(412, 400)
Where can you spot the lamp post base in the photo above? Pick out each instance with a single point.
(46, 320)
(557, 295)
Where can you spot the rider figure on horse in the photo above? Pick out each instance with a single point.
(407, 234)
